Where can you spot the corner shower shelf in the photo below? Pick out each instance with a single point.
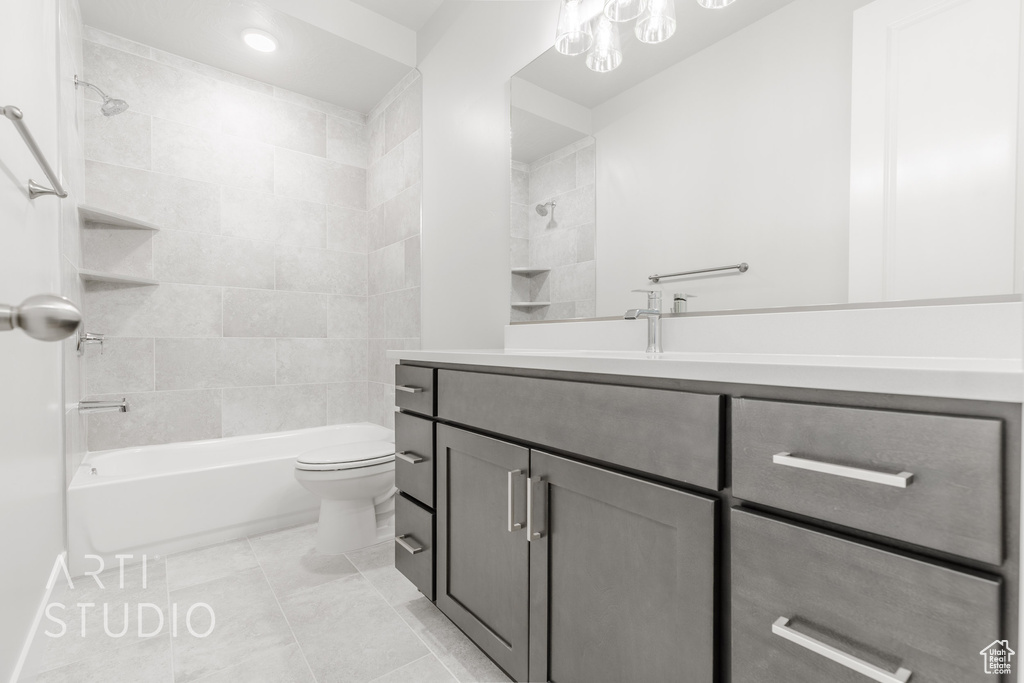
(530, 304)
(530, 272)
(97, 276)
(96, 217)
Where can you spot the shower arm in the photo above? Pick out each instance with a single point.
(104, 95)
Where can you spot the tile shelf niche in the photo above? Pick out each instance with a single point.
(95, 217)
(97, 276)
(530, 273)
(530, 304)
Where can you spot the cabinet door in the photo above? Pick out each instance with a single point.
(622, 577)
(482, 567)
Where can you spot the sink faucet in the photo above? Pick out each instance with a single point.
(653, 315)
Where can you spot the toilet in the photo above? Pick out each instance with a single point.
(352, 480)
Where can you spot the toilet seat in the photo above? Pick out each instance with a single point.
(348, 456)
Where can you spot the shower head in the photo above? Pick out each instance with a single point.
(542, 209)
(110, 106)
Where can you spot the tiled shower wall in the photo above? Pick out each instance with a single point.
(564, 245)
(394, 183)
(260, 320)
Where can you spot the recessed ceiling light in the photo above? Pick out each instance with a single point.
(259, 40)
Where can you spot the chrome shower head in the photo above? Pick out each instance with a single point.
(542, 209)
(111, 106)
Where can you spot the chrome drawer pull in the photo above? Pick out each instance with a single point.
(781, 628)
(410, 458)
(531, 535)
(900, 481)
(408, 389)
(512, 524)
(400, 540)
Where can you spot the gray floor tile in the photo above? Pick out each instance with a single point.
(449, 644)
(348, 632)
(207, 564)
(279, 665)
(248, 622)
(292, 563)
(377, 564)
(148, 661)
(425, 670)
(73, 646)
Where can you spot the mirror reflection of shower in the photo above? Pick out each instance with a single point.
(542, 209)
(111, 106)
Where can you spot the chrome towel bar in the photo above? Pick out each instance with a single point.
(742, 267)
(34, 188)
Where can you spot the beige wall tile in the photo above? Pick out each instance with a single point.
(210, 156)
(553, 179)
(166, 310)
(402, 215)
(311, 361)
(314, 179)
(214, 363)
(158, 417)
(262, 216)
(273, 121)
(318, 270)
(262, 313)
(123, 139)
(126, 365)
(261, 410)
(346, 229)
(402, 117)
(347, 142)
(402, 311)
(164, 200)
(194, 258)
(347, 402)
(347, 317)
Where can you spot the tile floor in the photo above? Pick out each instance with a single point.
(282, 614)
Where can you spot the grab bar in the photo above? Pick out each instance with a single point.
(742, 267)
(34, 188)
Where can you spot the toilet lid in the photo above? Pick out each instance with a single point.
(347, 456)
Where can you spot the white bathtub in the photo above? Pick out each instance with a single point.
(163, 499)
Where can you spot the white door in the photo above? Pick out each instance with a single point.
(31, 410)
(934, 149)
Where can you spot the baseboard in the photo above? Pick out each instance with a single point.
(26, 668)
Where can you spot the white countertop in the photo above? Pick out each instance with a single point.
(989, 379)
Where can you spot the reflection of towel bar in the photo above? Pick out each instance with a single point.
(34, 188)
(742, 267)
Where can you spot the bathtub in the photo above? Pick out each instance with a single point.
(156, 500)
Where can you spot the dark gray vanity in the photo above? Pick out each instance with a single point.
(586, 527)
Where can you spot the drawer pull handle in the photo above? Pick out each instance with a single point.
(781, 628)
(400, 540)
(900, 481)
(531, 533)
(410, 458)
(409, 389)
(513, 525)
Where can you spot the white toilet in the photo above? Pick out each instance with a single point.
(351, 480)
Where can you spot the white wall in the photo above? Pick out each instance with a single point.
(472, 50)
(735, 187)
(31, 411)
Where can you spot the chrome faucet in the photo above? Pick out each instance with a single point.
(653, 315)
(103, 406)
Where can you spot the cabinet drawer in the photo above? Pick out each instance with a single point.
(932, 480)
(671, 434)
(414, 389)
(414, 544)
(803, 599)
(414, 458)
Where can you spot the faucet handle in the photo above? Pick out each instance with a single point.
(653, 297)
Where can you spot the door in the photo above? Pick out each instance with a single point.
(933, 188)
(31, 402)
(622, 577)
(482, 549)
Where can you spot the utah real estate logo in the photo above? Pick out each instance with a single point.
(997, 657)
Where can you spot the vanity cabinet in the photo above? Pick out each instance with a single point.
(591, 528)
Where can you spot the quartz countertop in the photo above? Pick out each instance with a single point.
(988, 379)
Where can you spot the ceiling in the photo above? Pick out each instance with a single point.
(336, 52)
(535, 136)
(409, 13)
(698, 28)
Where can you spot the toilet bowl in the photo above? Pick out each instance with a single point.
(351, 480)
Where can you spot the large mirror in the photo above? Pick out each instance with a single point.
(849, 151)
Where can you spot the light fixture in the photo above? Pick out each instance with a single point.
(607, 53)
(573, 35)
(658, 22)
(261, 41)
(715, 4)
(624, 10)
